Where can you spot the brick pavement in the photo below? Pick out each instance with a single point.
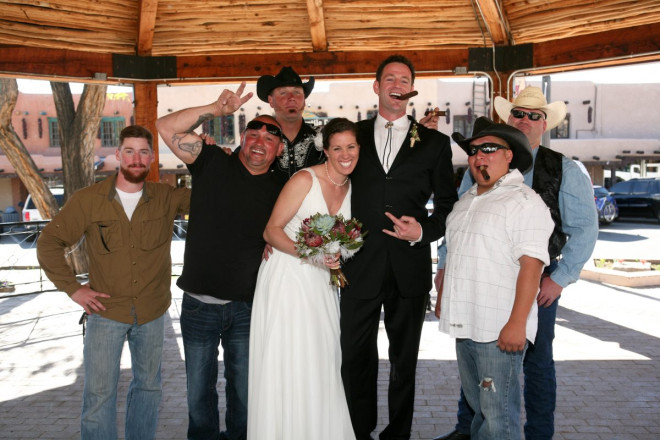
(607, 351)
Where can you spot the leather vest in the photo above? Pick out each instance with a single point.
(547, 181)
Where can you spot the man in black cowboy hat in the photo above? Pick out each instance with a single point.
(286, 93)
(497, 244)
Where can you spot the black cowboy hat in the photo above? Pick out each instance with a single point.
(286, 77)
(522, 152)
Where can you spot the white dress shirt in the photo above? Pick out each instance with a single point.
(399, 132)
(486, 236)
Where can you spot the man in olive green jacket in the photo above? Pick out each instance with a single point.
(127, 224)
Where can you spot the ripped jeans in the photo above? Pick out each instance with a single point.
(490, 381)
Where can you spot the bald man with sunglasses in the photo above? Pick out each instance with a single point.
(232, 198)
(568, 193)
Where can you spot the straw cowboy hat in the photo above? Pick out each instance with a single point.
(532, 98)
(286, 78)
(518, 143)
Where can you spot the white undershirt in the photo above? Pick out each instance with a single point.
(129, 201)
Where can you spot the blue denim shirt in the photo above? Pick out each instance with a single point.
(578, 216)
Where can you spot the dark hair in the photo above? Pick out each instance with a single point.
(337, 125)
(395, 59)
(136, 131)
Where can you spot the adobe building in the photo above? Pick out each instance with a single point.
(609, 127)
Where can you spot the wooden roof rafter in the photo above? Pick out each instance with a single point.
(146, 26)
(317, 25)
(495, 22)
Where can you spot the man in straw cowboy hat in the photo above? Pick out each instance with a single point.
(568, 193)
(497, 245)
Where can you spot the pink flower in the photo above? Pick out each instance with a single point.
(338, 228)
(313, 240)
(305, 225)
(354, 234)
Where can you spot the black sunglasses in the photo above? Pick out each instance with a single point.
(519, 114)
(270, 128)
(486, 148)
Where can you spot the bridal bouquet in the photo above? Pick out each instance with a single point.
(323, 234)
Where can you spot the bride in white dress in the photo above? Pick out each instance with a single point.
(295, 387)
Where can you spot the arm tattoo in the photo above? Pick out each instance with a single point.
(194, 148)
(200, 120)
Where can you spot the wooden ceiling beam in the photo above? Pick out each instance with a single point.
(326, 65)
(600, 47)
(146, 25)
(626, 46)
(53, 64)
(317, 25)
(497, 26)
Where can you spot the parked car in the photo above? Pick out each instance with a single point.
(30, 211)
(607, 208)
(638, 197)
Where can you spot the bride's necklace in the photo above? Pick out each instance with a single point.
(330, 178)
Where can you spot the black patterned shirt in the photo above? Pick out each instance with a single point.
(301, 153)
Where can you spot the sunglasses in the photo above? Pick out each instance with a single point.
(270, 128)
(519, 114)
(486, 148)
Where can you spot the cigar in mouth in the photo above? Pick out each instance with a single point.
(405, 96)
(434, 112)
(484, 173)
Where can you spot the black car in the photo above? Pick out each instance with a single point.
(638, 197)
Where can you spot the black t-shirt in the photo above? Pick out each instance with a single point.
(229, 209)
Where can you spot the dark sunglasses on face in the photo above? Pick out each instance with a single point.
(270, 128)
(519, 114)
(486, 148)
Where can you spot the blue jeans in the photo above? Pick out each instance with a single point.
(104, 340)
(489, 378)
(203, 326)
(540, 378)
(540, 389)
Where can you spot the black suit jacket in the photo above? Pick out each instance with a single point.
(416, 173)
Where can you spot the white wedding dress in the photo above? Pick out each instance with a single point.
(295, 386)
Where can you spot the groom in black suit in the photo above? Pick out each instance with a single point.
(402, 163)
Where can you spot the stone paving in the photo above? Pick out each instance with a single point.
(607, 352)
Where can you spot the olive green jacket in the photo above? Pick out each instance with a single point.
(128, 260)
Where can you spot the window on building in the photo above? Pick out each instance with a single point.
(221, 129)
(463, 124)
(562, 130)
(109, 130)
(54, 133)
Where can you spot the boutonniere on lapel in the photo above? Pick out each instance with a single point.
(414, 136)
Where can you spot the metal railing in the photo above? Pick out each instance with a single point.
(20, 272)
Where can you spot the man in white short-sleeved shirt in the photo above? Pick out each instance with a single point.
(497, 245)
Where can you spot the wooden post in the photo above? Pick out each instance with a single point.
(146, 113)
(500, 88)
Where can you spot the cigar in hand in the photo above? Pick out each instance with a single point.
(434, 112)
(484, 173)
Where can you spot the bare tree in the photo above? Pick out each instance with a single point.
(78, 129)
(18, 155)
